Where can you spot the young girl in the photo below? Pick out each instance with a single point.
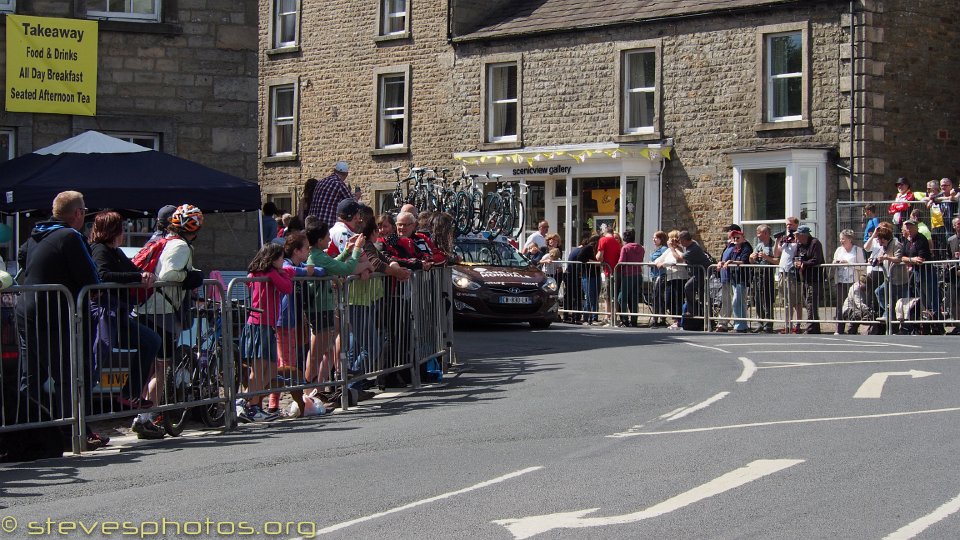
(258, 340)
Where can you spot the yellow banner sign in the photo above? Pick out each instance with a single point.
(51, 65)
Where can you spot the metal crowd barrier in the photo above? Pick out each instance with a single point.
(118, 360)
(830, 297)
(145, 357)
(38, 380)
(585, 293)
(850, 216)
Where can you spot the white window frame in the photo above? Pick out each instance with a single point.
(628, 92)
(133, 136)
(8, 6)
(772, 77)
(389, 13)
(799, 165)
(12, 137)
(492, 103)
(276, 122)
(385, 116)
(123, 15)
(292, 17)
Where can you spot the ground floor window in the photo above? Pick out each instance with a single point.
(771, 186)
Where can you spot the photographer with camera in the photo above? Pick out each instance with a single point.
(787, 274)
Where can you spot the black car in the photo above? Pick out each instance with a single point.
(494, 282)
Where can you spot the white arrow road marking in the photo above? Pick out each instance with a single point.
(749, 368)
(534, 525)
(873, 386)
(911, 530)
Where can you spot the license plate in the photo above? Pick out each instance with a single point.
(516, 300)
(113, 380)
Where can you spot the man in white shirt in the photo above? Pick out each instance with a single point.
(538, 238)
(786, 250)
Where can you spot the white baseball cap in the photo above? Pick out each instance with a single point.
(341, 166)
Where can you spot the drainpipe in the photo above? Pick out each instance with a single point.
(853, 99)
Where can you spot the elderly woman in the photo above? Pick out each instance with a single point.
(675, 277)
(847, 254)
(114, 266)
(736, 253)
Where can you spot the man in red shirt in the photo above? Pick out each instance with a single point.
(608, 252)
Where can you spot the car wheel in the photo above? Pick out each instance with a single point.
(540, 325)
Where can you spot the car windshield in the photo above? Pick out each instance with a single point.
(490, 253)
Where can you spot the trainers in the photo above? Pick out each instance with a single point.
(256, 414)
(146, 430)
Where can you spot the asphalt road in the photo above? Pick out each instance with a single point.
(572, 432)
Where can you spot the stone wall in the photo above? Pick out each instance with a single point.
(336, 61)
(191, 78)
(911, 101)
(708, 99)
(906, 119)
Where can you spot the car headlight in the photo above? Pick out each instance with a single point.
(550, 285)
(461, 281)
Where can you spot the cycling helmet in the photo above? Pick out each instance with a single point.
(187, 218)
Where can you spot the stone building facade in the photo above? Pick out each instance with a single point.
(692, 114)
(181, 78)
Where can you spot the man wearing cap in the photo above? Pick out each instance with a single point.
(916, 250)
(347, 226)
(900, 207)
(726, 288)
(807, 261)
(328, 194)
(163, 220)
(735, 279)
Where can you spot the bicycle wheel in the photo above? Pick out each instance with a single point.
(516, 224)
(180, 384)
(476, 212)
(462, 213)
(212, 387)
(493, 214)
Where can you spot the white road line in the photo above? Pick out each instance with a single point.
(749, 368)
(702, 405)
(898, 360)
(844, 351)
(533, 525)
(876, 344)
(706, 347)
(911, 530)
(481, 485)
(780, 422)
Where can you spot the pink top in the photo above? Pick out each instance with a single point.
(266, 296)
(631, 253)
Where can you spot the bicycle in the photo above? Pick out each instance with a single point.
(197, 374)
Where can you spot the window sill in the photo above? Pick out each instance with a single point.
(145, 27)
(505, 145)
(283, 50)
(393, 151)
(637, 137)
(391, 37)
(773, 126)
(280, 159)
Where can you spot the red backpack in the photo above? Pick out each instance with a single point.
(146, 260)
